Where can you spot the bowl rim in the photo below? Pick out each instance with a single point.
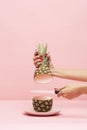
(42, 98)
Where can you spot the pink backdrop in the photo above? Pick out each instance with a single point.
(23, 24)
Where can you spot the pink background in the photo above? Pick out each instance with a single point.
(25, 23)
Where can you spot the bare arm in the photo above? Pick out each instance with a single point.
(80, 75)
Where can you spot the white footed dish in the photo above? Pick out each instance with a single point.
(52, 112)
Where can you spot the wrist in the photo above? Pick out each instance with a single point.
(54, 71)
(58, 73)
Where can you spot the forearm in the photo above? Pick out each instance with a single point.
(80, 75)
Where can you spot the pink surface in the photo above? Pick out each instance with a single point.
(73, 115)
(24, 23)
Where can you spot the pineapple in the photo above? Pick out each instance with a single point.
(43, 73)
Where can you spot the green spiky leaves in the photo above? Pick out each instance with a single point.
(42, 49)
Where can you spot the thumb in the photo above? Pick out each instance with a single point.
(60, 93)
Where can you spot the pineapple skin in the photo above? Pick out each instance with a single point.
(42, 70)
(42, 106)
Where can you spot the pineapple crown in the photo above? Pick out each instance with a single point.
(42, 49)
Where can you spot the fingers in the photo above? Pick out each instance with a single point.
(60, 93)
(37, 62)
(48, 56)
(39, 58)
(69, 92)
(49, 60)
(63, 93)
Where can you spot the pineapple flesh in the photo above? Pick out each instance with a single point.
(43, 73)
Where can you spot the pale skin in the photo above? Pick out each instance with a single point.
(68, 91)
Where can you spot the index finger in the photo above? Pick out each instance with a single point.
(59, 93)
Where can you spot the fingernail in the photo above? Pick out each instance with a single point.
(46, 54)
(41, 58)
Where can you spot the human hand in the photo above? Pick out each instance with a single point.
(70, 91)
(39, 58)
